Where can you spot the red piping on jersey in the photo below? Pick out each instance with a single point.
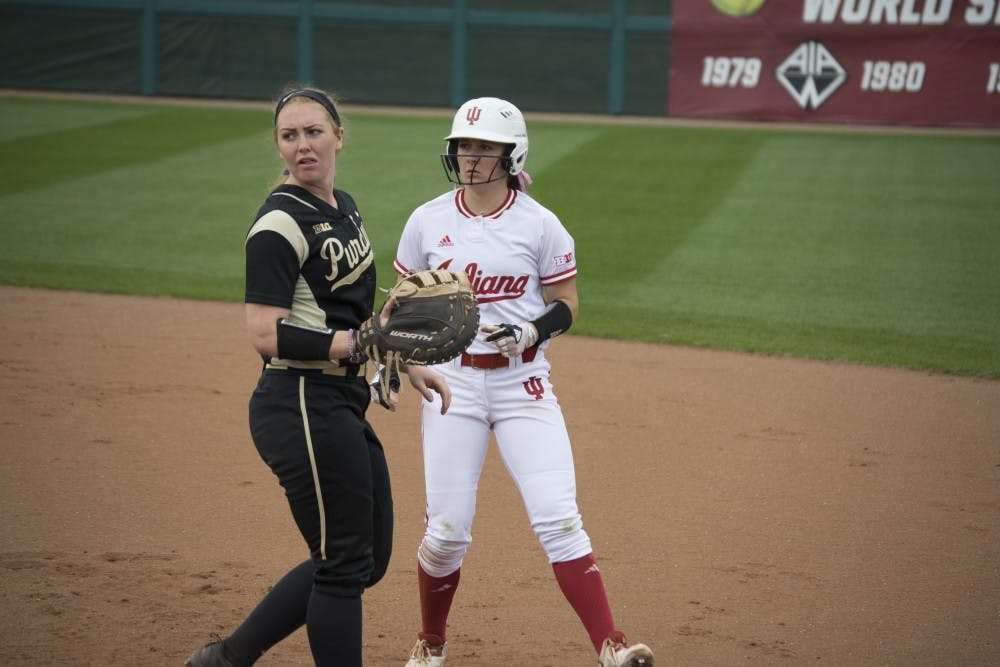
(558, 277)
(467, 212)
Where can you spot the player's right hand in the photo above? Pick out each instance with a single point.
(511, 339)
(427, 382)
(387, 307)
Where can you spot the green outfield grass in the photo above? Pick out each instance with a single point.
(874, 248)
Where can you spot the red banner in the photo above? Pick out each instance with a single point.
(888, 62)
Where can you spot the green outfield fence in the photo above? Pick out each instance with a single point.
(588, 56)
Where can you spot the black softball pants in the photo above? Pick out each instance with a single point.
(311, 431)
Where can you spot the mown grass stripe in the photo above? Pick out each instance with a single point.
(68, 153)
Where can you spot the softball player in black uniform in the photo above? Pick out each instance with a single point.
(310, 283)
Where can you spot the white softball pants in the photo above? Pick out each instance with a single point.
(517, 405)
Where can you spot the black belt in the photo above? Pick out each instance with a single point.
(347, 370)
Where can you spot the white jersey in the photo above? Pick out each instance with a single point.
(509, 254)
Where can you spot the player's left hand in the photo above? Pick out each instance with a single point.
(511, 339)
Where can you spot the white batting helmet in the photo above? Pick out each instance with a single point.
(492, 119)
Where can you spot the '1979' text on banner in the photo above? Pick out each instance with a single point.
(893, 62)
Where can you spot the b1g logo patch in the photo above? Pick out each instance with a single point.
(810, 75)
(534, 387)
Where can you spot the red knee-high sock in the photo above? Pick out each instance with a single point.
(436, 594)
(581, 583)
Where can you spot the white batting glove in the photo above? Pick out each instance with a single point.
(511, 339)
(392, 395)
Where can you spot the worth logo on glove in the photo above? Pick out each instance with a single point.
(410, 335)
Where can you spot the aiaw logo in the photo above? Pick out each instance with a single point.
(810, 75)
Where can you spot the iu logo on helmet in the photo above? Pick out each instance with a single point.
(473, 114)
(534, 387)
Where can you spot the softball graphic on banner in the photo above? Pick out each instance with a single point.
(737, 7)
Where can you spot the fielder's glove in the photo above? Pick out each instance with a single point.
(512, 339)
(434, 319)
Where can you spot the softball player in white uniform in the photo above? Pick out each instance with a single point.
(521, 263)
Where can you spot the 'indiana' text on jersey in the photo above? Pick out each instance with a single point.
(492, 288)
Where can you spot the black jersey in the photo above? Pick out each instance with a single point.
(316, 260)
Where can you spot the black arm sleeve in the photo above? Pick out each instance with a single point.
(304, 343)
(554, 320)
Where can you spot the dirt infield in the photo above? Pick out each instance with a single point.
(745, 510)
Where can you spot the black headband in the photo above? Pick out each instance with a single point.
(313, 95)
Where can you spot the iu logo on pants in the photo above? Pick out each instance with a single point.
(534, 387)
